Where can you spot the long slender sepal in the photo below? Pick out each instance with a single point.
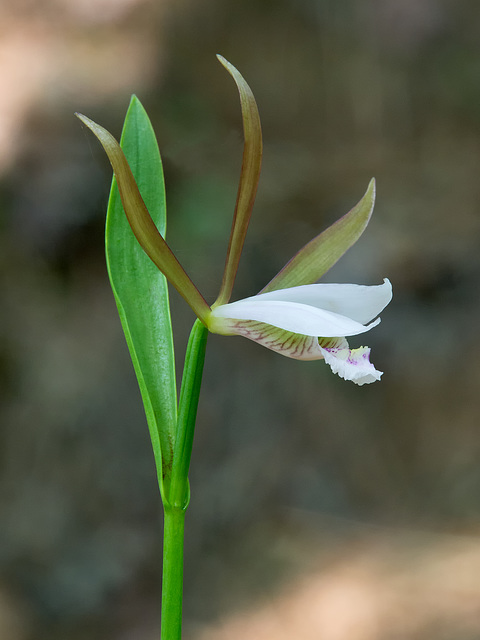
(321, 253)
(247, 188)
(142, 224)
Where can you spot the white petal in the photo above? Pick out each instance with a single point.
(358, 302)
(350, 364)
(290, 316)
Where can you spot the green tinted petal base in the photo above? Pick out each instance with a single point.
(286, 343)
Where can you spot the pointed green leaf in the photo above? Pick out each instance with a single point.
(321, 253)
(140, 289)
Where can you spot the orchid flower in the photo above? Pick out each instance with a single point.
(292, 315)
(310, 322)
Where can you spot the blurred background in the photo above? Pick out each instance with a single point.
(319, 509)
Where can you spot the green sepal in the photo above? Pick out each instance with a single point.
(249, 177)
(141, 290)
(142, 224)
(320, 254)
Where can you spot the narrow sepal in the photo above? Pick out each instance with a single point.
(321, 253)
(142, 224)
(250, 174)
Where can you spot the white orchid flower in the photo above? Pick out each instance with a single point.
(291, 315)
(310, 322)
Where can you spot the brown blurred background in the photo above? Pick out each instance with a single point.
(319, 509)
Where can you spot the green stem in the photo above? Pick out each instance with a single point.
(187, 413)
(172, 583)
(179, 493)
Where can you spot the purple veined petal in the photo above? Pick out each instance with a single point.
(361, 303)
(289, 316)
(349, 364)
(286, 343)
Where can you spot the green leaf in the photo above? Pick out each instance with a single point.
(321, 253)
(141, 291)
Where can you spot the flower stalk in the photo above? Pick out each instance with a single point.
(179, 492)
(172, 574)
